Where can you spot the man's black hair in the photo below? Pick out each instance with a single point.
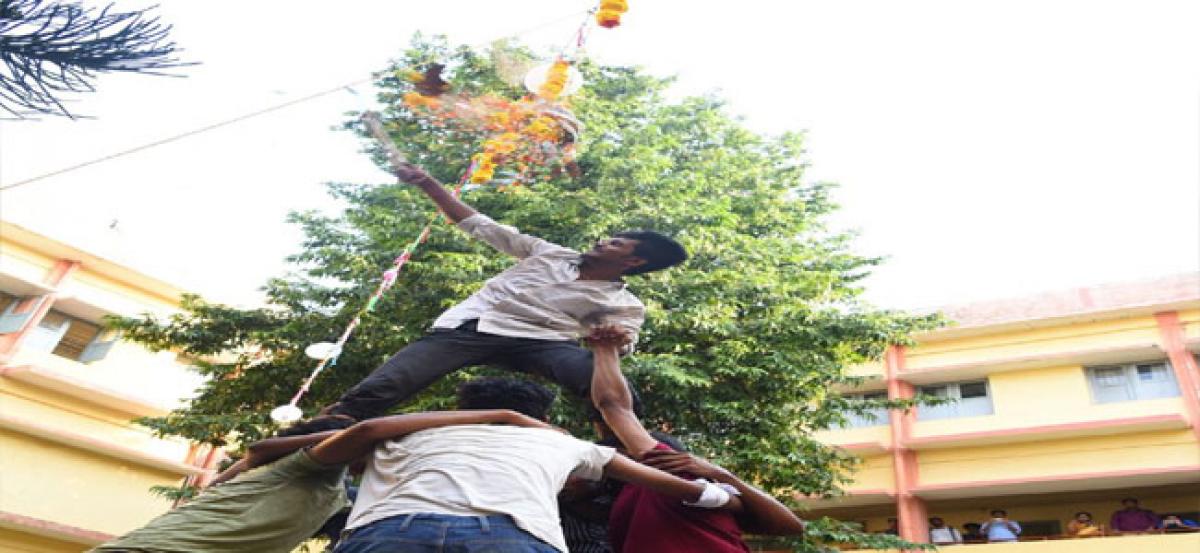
(1001, 511)
(522, 396)
(316, 424)
(659, 250)
(1128, 499)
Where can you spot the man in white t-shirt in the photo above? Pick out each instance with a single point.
(940, 534)
(528, 318)
(488, 487)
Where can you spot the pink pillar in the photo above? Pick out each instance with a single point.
(55, 276)
(911, 512)
(1186, 374)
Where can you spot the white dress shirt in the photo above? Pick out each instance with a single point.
(478, 470)
(541, 296)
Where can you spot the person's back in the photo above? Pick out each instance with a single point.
(270, 508)
(472, 471)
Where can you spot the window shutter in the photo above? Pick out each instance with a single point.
(1110, 384)
(47, 333)
(1155, 381)
(100, 346)
(933, 412)
(18, 312)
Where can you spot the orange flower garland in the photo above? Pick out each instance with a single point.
(556, 80)
(609, 15)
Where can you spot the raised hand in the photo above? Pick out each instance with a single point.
(608, 336)
(412, 174)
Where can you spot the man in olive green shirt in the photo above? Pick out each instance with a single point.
(276, 506)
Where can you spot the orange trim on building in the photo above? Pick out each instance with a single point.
(55, 276)
(1184, 365)
(911, 512)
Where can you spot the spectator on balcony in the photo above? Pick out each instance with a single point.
(1000, 529)
(893, 527)
(971, 533)
(940, 534)
(1176, 522)
(1083, 526)
(1132, 518)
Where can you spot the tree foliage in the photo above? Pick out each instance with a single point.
(742, 347)
(49, 48)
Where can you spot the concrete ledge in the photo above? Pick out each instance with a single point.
(1051, 431)
(1093, 356)
(82, 390)
(1052, 483)
(88, 443)
(53, 530)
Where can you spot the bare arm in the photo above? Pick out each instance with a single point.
(268, 450)
(360, 439)
(610, 393)
(763, 514)
(454, 208)
(624, 469)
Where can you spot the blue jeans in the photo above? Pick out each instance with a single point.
(430, 533)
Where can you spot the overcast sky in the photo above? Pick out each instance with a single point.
(988, 149)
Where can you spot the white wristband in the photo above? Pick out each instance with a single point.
(713, 497)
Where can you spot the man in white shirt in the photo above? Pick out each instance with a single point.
(528, 318)
(489, 488)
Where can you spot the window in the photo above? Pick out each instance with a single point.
(970, 399)
(872, 417)
(67, 336)
(1131, 382)
(17, 312)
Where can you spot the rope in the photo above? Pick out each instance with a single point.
(250, 115)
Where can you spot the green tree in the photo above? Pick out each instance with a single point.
(742, 345)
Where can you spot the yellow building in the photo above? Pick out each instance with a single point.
(73, 470)
(1066, 402)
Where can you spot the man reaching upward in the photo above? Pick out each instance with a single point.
(526, 318)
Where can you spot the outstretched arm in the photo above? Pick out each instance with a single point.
(610, 393)
(267, 450)
(360, 439)
(454, 208)
(762, 513)
(503, 238)
(624, 469)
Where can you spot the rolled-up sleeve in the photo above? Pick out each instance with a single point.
(505, 238)
(593, 459)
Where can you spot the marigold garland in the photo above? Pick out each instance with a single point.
(556, 80)
(609, 14)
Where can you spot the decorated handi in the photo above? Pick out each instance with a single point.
(537, 130)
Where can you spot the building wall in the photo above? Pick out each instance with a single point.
(74, 469)
(1047, 436)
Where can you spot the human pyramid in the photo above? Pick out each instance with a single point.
(491, 476)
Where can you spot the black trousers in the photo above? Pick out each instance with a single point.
(444, 351)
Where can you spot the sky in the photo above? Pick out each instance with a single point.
(985, 149)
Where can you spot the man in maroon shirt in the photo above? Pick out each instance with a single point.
(644, 521)
(1132, 518)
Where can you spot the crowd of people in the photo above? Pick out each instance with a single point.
(1130, 519)
(494, 475)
